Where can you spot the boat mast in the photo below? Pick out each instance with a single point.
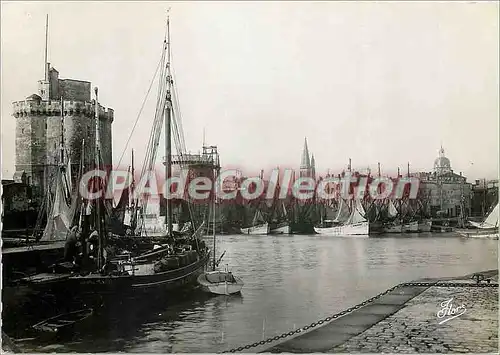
(131, 198)
(97, 166)
(168, 142)
(213, 208)
(62, 131)
(46, 69)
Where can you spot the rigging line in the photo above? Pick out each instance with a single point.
(180, 129)
(140, 112)
(177, 100)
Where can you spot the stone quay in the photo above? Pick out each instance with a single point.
(413, 319)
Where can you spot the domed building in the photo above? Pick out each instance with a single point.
(445, 193)
(442, 164)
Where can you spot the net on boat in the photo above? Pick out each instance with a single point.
(62, 213)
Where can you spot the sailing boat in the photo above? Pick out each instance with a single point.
(259, 226)
(284, 226)
(394, 226)
(355, 224)
(216, 281)
(174, 263)
(486, 229)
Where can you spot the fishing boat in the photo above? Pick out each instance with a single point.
(63, 323)
(281, 228)
(284, 226)
(425, 225)
(356, 224)
(216, 281)
(393, 225)
(259, 227)
(171, 262)
(486, 229)
(410, 227)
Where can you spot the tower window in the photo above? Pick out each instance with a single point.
(22, 130)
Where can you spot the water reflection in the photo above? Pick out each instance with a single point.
(289, 281)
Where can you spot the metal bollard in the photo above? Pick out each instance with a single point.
(479, 278)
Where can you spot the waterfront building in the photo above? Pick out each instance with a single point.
(444, 193)
(484, 197)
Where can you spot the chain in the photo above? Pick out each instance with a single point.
(356, 307)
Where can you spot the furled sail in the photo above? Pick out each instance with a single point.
(357, 214)
(392, 211)
(258, 219)
(343, 212)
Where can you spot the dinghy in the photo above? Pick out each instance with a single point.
(63, 322)
(220, 282)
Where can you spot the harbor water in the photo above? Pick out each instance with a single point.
(290, 281)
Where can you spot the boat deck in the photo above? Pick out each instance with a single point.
(35, 247)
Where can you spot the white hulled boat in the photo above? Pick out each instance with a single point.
(257, 228)
(425, 225)
(356, 224)
(486, 229)
(283, 227)
(216, 281)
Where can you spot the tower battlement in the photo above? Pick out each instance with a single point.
(53, 108)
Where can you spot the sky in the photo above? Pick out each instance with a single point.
(374, 82)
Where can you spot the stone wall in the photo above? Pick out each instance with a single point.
(38, 137)
(75, 90)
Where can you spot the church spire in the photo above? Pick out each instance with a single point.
(305, 163)
(313, 167)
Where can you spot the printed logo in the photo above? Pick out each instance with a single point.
(448, 311)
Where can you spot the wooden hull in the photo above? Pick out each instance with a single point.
(398, 228)
(261, 229)
(487, 233)
(411, 227)
(64, 322)
(125, 285)
(362, 228)
(281, 230)
(425, 226)
(220, 286)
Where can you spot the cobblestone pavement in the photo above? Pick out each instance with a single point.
(416, 329)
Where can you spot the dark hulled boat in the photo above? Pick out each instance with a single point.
(171, 261)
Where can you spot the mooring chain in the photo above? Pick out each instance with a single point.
(358, 306)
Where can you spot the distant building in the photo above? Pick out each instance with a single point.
(444, 192)
(484, 197)
(39, 129)
(307, 164)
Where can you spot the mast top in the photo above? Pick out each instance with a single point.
(46, 64)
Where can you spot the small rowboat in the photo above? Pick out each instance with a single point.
(220, 283)
(63, 322)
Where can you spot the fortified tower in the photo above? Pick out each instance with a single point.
(61, 112)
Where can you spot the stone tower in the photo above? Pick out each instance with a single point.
(40, 129)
